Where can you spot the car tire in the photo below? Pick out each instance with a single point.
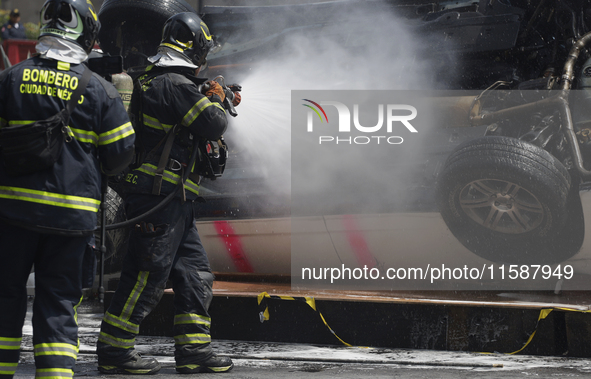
(133, 28)
(506, 200)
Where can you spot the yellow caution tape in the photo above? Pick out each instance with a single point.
(312, 303)
(308, 300)
(543, 314)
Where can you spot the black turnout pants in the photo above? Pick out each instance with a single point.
(170, 249)
(57, 263)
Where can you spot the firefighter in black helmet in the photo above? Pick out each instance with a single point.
(167, 103)
(47, 216)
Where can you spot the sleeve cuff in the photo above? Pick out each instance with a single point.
(216, 98)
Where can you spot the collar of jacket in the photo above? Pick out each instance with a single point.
(167, 57)
(61, 50)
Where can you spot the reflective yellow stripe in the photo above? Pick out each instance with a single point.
(76, 310)
(121, 323)
(56, 348)
(195, 111)
(81, 135)
(90, 136)
(8, 368)
(121, 343)
(76, 320)
(192, 367)
(185, 339)
(85, 136)
(186, 45)
(205, 31)
(191, 318)
(20, 122)
(142, 280)
(48, 198)
(10, 343)
(154, 123)
(54, 373)
(191, 186)
(169, 176)
(172, 46)
(220, 369)
(63, 66)
(92, 12)
(219, 106)
(116, 134)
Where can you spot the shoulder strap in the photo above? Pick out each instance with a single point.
(79, 90)
(158, 176)
(137, 117)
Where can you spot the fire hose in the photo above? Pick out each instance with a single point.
(104, 227)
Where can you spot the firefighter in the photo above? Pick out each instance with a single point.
(13, 29)
(165, 245)
(47, 216)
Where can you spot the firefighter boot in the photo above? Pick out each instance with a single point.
(132, 363)
(190, 365)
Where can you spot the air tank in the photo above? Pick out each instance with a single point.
(124, 85)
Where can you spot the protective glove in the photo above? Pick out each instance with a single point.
(237, 99)
(215, 89)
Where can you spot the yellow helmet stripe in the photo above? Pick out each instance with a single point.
(187, 45)
(205, 31)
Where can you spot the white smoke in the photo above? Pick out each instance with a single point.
(364, 49)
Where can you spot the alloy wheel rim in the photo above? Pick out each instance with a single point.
(501, 206)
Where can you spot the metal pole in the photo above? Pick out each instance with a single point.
(103, 248)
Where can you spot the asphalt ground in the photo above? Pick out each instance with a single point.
(280, 360)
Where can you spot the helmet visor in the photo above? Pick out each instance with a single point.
(216, 46)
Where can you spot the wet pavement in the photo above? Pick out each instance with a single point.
(280, 360)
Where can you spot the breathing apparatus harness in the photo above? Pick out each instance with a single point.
(211, 156)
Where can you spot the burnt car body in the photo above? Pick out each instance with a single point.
(527, 65)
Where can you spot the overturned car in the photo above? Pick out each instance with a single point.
(513, 194)
(506, 173)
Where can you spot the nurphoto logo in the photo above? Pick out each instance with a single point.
(394, 114)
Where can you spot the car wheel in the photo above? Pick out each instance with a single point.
(133, 28)
(505, 200)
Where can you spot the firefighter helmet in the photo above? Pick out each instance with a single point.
(73, 20)
(187, 34)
